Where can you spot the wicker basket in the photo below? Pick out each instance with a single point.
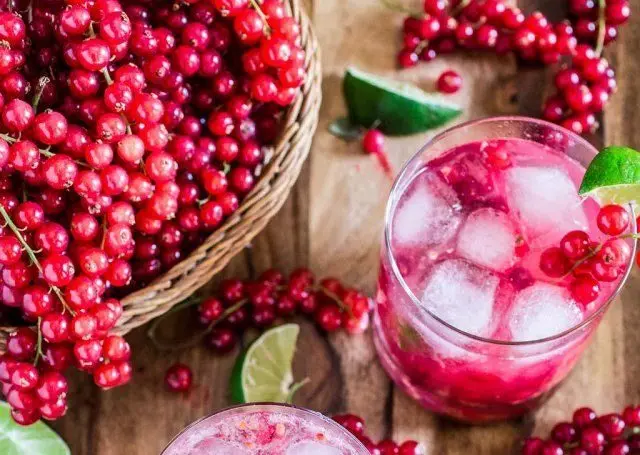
(255, 211)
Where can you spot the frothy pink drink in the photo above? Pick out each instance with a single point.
(466, 321)
(265, 429)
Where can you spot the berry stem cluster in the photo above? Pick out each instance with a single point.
(586, 263)
(584, 82)
(32, 257)
(588, 433)
(240, 304)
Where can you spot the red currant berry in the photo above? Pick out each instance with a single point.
(584, 289)
(553, 263)
(575, 244)
(613, 219)
(373, 142)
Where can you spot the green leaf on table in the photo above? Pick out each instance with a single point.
(36, 439)
(344, 129)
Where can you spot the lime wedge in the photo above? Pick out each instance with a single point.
(36, 439)
(613, 177)
(263, 372)
(394, 107)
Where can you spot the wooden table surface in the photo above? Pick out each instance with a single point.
(332, 223)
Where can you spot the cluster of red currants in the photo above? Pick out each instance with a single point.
(259, 303)
(128, 132)
(355, 425)
(584, 85)
(588, 433)
(586, 262)
(241, 304)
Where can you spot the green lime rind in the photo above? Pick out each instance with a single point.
(235, 384)
(36, 439)
(264, 371)
(613, 177)
(394, 107)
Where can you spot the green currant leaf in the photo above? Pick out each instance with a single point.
(344, 129)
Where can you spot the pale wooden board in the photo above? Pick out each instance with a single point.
(332, 222)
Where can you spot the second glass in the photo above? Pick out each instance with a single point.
(467, 322)
(265, 429)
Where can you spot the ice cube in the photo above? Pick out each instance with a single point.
(218, 447)
(545, 200)
(542, 310)
(312, 448)
(428, 214)
(487, 238)
(462, 295)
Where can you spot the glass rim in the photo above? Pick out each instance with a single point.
(265, 404)
(416, 302)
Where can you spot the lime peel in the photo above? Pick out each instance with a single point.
(264, 371)
(399, 108)
(613, 177)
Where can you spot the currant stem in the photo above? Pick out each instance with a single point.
(294, 388)
(42, 83)
(602, 26)
(395, 6)
(39, 345)
(336, 299)
(421, 46)
(32, 256)
(30, 12)
(104, 71)
(45, 152)
(104, 233)
(256, 6)
(596, 250)
(458, 9)
(172, 345)
(107, 76)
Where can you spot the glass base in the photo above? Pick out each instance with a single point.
(447, 405)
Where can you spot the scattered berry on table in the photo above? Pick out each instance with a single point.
(373, 142)
(449, 82)
(178, 378)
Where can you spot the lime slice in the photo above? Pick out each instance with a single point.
(263, 372)
(394, 107)
(613, 177)
(36, 439)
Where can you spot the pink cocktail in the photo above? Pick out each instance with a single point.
(265, 429)
(466, 322)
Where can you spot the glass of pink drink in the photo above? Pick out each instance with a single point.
(265, 429)
(465, 320)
